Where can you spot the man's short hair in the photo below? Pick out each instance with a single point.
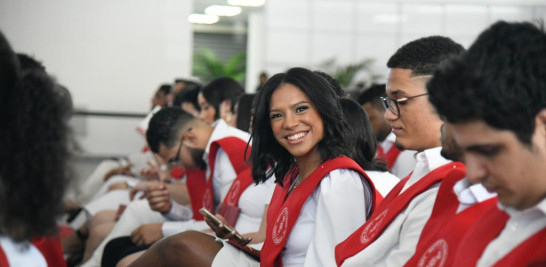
(164, 127)
(501, 80)
(372, 95)
(423, 56)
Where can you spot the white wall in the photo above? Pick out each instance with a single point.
(111, 55)
(308, 32)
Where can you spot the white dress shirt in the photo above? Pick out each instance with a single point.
(520, 226)
(404, 163)
(223, 176)
(398, 241)
(324, 221)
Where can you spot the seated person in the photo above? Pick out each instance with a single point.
(34, 154)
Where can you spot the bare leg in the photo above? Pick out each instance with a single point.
(100, 225)
(129, 259)
(189, 248)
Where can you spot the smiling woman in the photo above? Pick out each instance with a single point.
(300, 132)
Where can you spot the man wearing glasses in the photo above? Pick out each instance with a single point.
(390, 236)
(180, 139)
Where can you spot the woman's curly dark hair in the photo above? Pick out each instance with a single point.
(33, 162)
(267, 152)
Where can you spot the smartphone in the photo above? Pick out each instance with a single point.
(237, 237)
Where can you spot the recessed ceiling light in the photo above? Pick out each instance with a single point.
(203, 19)
(246, 2)
(227, 11)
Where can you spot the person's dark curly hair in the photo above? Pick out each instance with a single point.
(373, 96)
(164, 126)
(500, 80)
(365, 143)
(267, 152)
(222, 89)
(424, 55)
(33, 171)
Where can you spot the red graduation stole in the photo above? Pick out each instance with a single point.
(389, 157)
(445, 207)
(196, 184)
(3, 258)
(391, 206)
(530, 252)
(284, 209)
(235, 149)
(177, 172)
(441, 245)
(486, 228)
(230, 206)
(49, 247)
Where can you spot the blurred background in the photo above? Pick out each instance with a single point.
(112, 55)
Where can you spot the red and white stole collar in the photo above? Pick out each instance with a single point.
(441, 246)
(445, 206)
(285, 208)
(389, 209)
(49, 247)
(529, 253)
(235, 149)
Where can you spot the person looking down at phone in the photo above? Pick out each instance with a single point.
(187, 141)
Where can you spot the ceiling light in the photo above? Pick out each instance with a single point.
(227, 11)
(246, 2)
(203, 19)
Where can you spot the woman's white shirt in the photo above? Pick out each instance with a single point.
(325, 220)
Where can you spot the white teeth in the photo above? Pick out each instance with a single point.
(296, 136)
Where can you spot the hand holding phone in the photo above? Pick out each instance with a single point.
(222, 229)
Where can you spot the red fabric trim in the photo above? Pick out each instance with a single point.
(391, 207)
(284, 208)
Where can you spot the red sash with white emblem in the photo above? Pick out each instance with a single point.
(49, 247)
(389, 157)
(235, 149)
(391, 206)
(284, 209)
(530, 252)
(230, 206)
(440, 248)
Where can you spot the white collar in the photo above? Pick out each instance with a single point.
(469, 194)
(432, 158)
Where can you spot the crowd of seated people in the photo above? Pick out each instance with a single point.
(443, 165)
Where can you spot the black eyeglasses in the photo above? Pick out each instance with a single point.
(392, 104)
(176, 160)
